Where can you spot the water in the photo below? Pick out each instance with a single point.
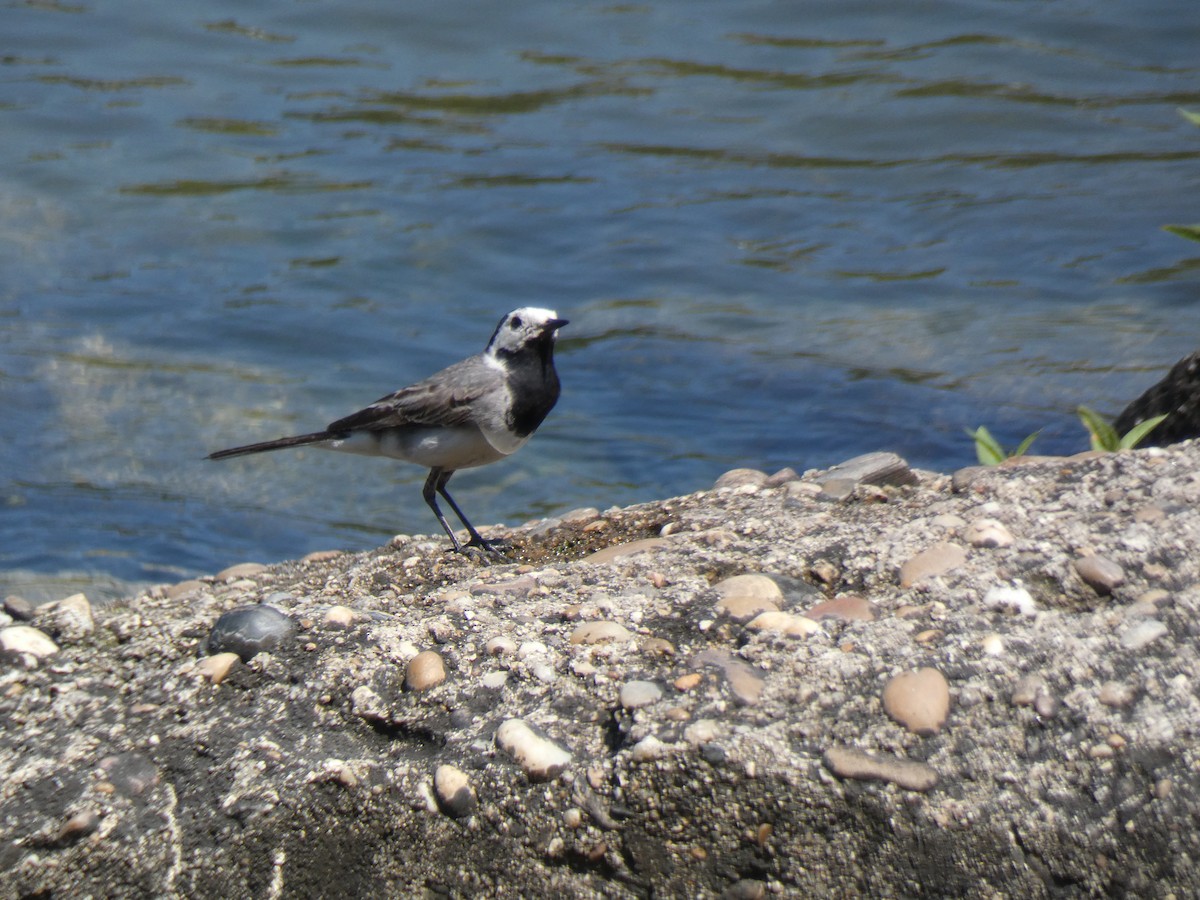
(785, 234)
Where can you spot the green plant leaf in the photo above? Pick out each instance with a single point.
(1191, 232)
(1104, 437)
(987, 449)
(1024, 445)
(1138, 432)
(1193, 117)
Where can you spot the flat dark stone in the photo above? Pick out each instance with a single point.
(250, 630)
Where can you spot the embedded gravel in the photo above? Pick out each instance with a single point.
(621, 712)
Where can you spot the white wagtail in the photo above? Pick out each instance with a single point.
(473, 413)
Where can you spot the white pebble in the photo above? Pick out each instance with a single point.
(493, 681)
(1016, 598)
(649, 748)
(1143, 633)
(635, 694)
(539, 757)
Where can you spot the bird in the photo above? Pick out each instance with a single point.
(470, 414)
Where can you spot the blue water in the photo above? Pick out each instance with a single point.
(784, 234)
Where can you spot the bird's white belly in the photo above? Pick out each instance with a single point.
(431, 447)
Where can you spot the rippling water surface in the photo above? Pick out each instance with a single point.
(784, 233)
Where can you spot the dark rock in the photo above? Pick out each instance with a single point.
(250, 630)
(1177, 396)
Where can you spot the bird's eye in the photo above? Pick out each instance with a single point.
(515, 323)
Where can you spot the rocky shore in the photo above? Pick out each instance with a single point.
(870, 681)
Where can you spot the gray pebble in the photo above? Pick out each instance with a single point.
(250, 630)
(1102, 575)
(19, 608)
(635, 694)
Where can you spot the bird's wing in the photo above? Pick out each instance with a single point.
(443, 399)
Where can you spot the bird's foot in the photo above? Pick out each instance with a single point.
(486, 551)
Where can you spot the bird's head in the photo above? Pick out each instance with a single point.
(527, 328)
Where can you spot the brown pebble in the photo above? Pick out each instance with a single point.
(321, 556)
(988, 533)
(619, 551)
(217, 667)
(241, 570)
(424, 671)
(657, 646)
(1115, 693)
(454, 792)
(920, 700)
(848, 608)
(742, 597)
(784, 623)
(909, 774)
(929, 636)
(600, 632)
(745, 681)
(1101, 574)
(741, 477)
(687, 682)
(942, 557)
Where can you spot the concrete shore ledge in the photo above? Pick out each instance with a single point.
(872, 681)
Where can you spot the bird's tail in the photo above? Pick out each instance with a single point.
(298, 441)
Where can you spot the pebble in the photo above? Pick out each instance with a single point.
(920, 700)
(532, 648)
(742, 597)
(339, 617)
(942, 557)
(784, 623)
(847, 608)
(454, 792)
(1142, 633)
(988, 533)
(241, 570)
(216, 667)
(366, 703)
(783, 476)
(27, 640)
(835, 490)
(185, 588)
(874, 468)
(1099, 573)
(906, 773)
(1116, 693)
(493, 681)
(424, 671)
(992, 644)
(502, 645)
(600, 632)
(538, 756)
(636, 694)
(1016, 598)
(702, 731)
(19, 608)
(649, 748)
(688, 681)
(736, 478)
(318, 556)
(619, 551)
(516, 587)
(250, 630)
(655, 646)
(70, 619)
(744, 680)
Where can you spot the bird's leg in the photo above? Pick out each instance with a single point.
(476, 539)
(434, 483)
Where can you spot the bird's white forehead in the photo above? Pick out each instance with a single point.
(533, 314)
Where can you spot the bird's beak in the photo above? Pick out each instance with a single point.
(554, 324)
